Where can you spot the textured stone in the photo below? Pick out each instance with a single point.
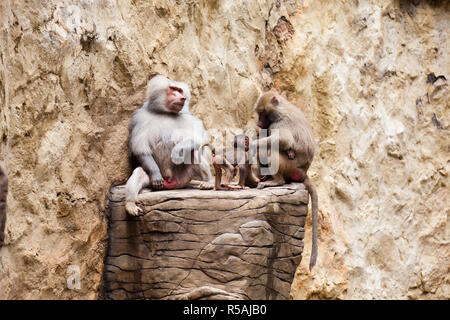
(193, 244)
(360, 69)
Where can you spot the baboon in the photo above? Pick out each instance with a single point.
(297, 149)
(3, 194)
(164, 137)
(233, 160)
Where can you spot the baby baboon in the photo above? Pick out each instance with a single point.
(233, 160)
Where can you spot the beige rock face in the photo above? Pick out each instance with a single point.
(72, 72)
(382, 170)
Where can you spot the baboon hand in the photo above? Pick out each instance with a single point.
(157, 182)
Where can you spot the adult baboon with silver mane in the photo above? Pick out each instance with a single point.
(164, 136)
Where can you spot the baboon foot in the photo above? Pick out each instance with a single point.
(132, 209)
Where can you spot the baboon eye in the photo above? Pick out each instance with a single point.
(275, 101)
(176, 89)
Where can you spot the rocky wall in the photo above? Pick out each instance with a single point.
(371, 76)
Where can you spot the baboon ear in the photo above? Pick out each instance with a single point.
(275, 101)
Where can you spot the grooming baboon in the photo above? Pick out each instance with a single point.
(297, 148)
(233, 160)
(164, 137)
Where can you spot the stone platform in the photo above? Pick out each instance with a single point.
(205, 244)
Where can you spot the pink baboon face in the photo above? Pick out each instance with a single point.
(175, 99)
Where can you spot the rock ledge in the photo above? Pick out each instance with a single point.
(195, 244)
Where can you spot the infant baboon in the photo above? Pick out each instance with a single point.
(233, 160)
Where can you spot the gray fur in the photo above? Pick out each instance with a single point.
(155, 134)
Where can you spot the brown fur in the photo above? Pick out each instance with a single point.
(221, 161)
(3, 194)
(295, 138)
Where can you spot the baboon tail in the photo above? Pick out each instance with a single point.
(314, 205)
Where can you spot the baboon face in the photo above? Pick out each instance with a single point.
(267, 109)
(175, 99)
(241, 142)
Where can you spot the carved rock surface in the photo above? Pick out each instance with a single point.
(193, 244)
